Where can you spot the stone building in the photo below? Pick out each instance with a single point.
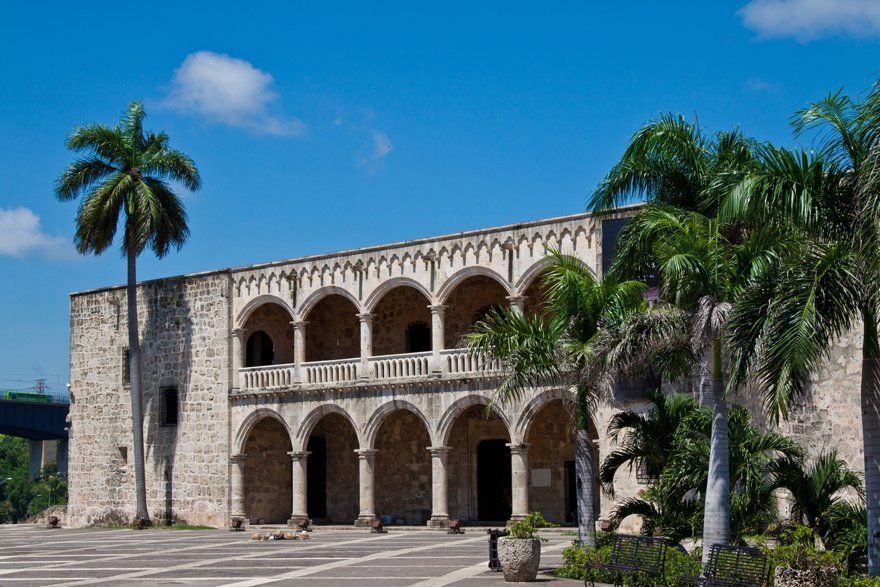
(336, 387)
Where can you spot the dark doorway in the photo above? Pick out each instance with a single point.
(418, 337)
(260, 350)
(316, 478)
(570, 493)
(493, 481)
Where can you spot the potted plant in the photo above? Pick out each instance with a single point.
(520, 551)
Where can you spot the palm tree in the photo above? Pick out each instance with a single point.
(645, 439)
(126, 171)
(817, 489)
(789, 318)
(557, 347)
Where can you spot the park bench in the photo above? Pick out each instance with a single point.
(732, 566)
(634, 555)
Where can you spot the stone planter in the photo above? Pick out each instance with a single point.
(519, 558)
(820, 577)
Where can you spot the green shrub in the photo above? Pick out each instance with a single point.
(860, 581)
(528, 526)
(575, 560)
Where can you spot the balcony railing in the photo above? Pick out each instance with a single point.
(385, 367)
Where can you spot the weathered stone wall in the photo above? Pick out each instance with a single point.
(267, 488)
(396, 310)
(184, 325)
(403, 469)
(551, 445)
(465, 302)
(333, 331)
(275, 322)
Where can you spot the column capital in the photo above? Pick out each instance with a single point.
(366, 317)
(366, 453)
(237, 458)
(238, 331)
(299, 324)
(515, 449)
(516, 299)
(439, 451)
(437, 309)
(297, 455)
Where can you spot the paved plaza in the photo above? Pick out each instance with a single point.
(36, 556)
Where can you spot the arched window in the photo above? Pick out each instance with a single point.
(260, 350)
(418, 337)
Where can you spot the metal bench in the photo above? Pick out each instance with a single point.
(732, 566)
(634, 555)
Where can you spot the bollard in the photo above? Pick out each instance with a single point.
(494, 535)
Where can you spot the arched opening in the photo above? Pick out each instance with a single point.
(332, 471)
(269, 336)
(267, 473)
(401, 317)
(403, 469)
(535, 297)
(260, 350)
(551, 441)
(468, 303)
(333, 330)
(478, 467)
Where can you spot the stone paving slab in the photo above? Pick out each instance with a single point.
(31, 556)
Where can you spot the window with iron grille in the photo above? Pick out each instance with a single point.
(126, 366)
(169, 406)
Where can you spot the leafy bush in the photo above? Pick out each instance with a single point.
(860, 581)
(528, 526)
(575, 559)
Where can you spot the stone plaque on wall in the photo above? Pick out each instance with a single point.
(540, 477)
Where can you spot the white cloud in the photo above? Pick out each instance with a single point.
(230, 91)
(760, 86)
(380, 148)
(808, 19)
(21, 235)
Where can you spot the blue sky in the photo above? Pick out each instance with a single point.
(326, 125)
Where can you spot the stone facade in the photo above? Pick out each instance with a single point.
(352, 419)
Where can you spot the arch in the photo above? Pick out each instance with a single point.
(458, 407)
(321, 293)
(527, 415)
(259, 349)
(379, 415)
(538, 267)
(252, 420)
(311, 420)
(386, 286)
(454, 280)
(258, 301)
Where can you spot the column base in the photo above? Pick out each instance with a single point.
(364, 521)
(516, 518)
(439, 522)
(302, 522)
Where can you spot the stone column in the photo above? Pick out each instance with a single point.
(517, 303)
(438, 340)
(519, 473)
(299, 510)
(299, 347)
(236, 485)
(366, 458)
(238, 352)
(366, 320)
(439, 501)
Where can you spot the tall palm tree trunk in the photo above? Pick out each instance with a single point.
(137, 393)
(871, 434)
(585, 471)
(716, 519)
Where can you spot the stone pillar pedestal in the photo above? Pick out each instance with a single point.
(238, 349)
(299, 507)
(438, 339)
(439, 485)
(299, 348)
(236, 485)
(519, 473)
(366, 321)
(517, 303)
(366, 458)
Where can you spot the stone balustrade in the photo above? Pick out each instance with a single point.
(398, 366)
(405, 366)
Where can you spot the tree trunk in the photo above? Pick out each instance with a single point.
(585, 471)
(716, 519)
(137, 393)
(871, 435)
